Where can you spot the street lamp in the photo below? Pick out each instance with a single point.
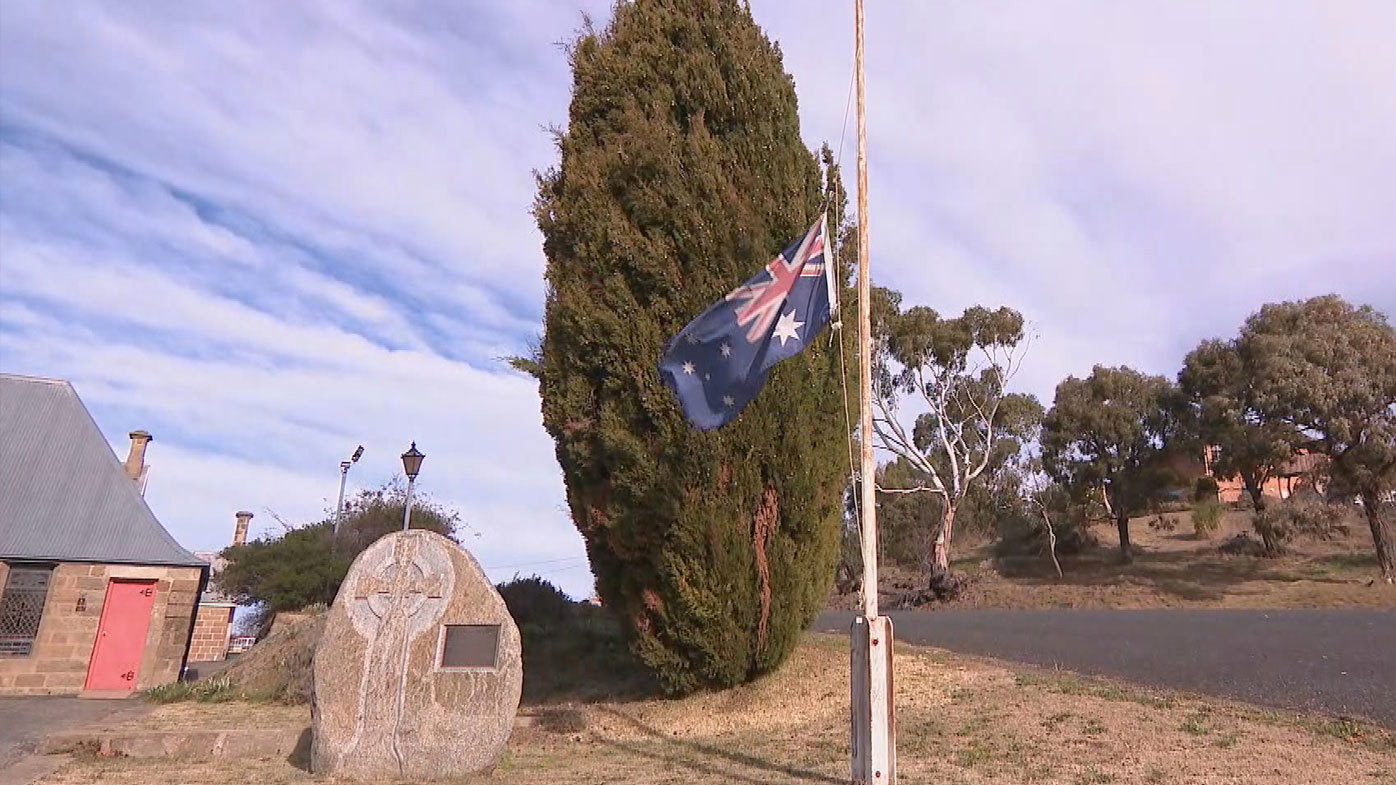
(343, 476)
(411, 464)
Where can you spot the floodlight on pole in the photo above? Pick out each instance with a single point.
(343, 477)
(411, 465)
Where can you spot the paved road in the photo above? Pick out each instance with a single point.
(25, 721)
(1334, 662)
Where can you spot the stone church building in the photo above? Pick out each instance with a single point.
(96, 597)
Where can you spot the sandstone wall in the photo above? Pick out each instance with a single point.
(58, 663)
(212, 626)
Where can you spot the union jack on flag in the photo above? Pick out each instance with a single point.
(761, 301)
(718, 363)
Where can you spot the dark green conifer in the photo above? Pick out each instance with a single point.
(682, 173)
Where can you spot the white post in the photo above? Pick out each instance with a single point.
(407, 509)
(873, 721)
(339, 505)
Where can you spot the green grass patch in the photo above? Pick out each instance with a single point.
(219, 689)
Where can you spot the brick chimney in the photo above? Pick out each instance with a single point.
(135, 459)
(240, 531)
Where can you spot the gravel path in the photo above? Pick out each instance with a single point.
(1334, 662)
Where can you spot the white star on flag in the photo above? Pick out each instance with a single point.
(787, 327)
(688, 368)
(727, 399)
(726, 350)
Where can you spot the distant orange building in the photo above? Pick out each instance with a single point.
(1300, 471)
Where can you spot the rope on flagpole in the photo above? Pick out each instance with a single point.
(837, 332)
(848, 429)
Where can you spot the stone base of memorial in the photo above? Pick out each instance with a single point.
(418, 673)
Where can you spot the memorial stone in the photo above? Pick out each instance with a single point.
(419, 671)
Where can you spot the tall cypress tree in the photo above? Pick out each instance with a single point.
(682, 173)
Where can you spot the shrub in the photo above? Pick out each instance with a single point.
(1242, 545)
(1206, 517)
(535, 601)
(572, 651)
(1023, 533)
(1304, 515)
(1161, 522)
(303, 566)
(1205, 489)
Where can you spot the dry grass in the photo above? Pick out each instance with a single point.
(278, 668)
(960, 721)
(1171, 569)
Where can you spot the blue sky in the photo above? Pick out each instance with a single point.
(268, 232)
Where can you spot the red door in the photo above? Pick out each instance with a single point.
(116, 657)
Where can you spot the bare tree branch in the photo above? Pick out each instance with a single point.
(917, 489)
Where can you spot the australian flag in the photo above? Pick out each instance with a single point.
(718, 363)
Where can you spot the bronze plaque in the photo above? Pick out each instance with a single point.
(470, 646)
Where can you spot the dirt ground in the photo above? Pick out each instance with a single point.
(1172, 568)
(960, 721)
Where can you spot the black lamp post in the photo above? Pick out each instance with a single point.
(411, 464)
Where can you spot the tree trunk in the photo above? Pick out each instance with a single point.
(940, 552)
(1381, 538)
(1052, 541)
(1273, 546)
(1257, 496)
(1122, 523)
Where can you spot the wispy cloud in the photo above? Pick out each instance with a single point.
(1133, 177)
(271, 233)
(268, 232)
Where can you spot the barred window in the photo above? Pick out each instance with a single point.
(22, 607)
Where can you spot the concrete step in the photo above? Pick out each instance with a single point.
(183, 744)
(107, 694)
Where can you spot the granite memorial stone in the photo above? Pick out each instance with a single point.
(418, 673)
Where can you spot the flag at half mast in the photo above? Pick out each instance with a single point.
(718, 363)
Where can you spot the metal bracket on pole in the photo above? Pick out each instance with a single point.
(874, 720)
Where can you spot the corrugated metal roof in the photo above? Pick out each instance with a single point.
(64, 496)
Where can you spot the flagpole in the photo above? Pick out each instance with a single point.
(873, 719)
(865, 425)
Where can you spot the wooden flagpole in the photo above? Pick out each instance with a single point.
(873, 721)
(865, 426)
